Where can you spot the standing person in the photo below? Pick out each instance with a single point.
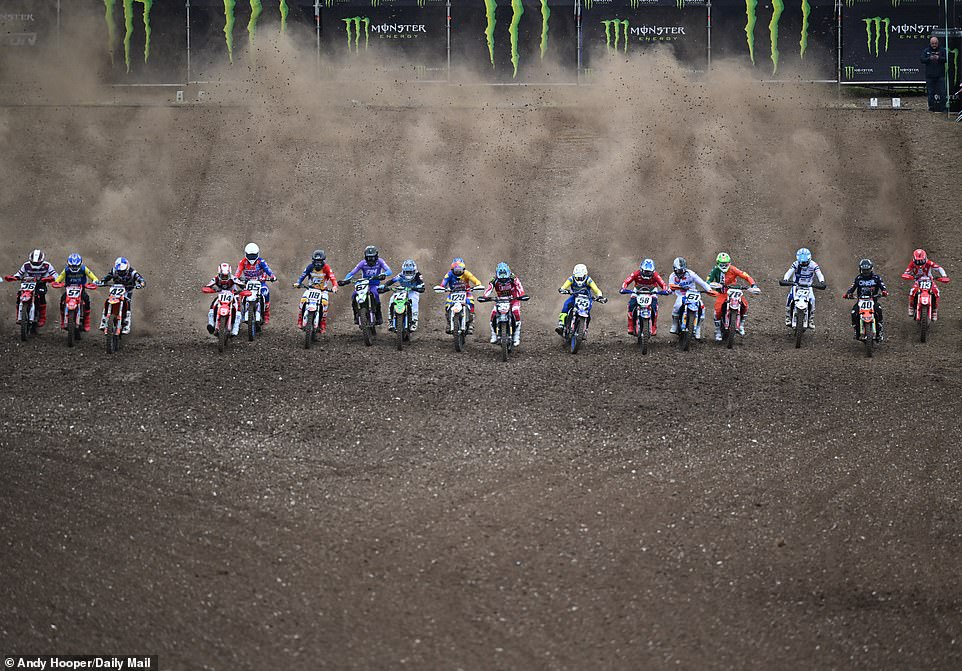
(934, 59)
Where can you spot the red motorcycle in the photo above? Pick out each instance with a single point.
(28, 313)
(115, 314)
(73, 316)
(226, 306)
(925, 304)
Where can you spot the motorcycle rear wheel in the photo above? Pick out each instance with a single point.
(309, 332)
(364, 319)
(113, 341)
(71, 327)
(223, 334)
(799, 327)
(924, 325)
(869, 338)
(688, 335)
(643, 329)
(730, 335)
(504, 336)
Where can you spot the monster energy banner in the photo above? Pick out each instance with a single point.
(516, 40)
(626, 27)
(27, 24)
(358, 29)
(780, 39)
(884, 40)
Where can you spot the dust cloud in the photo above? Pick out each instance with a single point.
(648, 160)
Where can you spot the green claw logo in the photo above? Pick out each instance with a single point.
(517, 10)
(874, 25)
(849, 72)
(128, 6)
(256, 10)
(954, 53)
(353, 28)
(895, 71)
(616, 30)
(778, 6)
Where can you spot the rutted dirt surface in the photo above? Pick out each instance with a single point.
(352, 507)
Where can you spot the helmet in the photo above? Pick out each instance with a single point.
(37, 258)
(723, 260)
(318, 257)
(252, 252)
(580, 273)
(122, 266)
(224, 271)
(502, 272)
(74, 262)
(803, 256)
(921, 258)
(865, 267)
(409, 269)
(370, 255)
(647, 268)
(679, 265)
(457, 267)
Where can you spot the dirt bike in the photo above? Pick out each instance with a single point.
(690, 317)
(254, 308)
(504, 322)
(458, 314)
(575, 330)
(226, 314)
(802, 298)
(399, 311)
(27, 312)
(73, 309)
(314, 304)
(117, 314)
(364, 306)
(924, 305)
(644, 313)
(731, 317)
(868, 326)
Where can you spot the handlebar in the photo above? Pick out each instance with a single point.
(788, 283)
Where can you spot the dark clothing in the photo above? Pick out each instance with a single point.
(934, 61)
(131, 281)
(867, 286)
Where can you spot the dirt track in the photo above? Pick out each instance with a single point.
(360, 508)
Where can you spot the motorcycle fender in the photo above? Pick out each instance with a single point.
(456, 307)
(924, 299)
(224, 310)
(646, 313)
(312, 307)
(583, 313)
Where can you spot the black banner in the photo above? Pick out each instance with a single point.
(624, 27)
(779, 39)
(384, 29)
(884, 39)
(27, 25)
(516, 40)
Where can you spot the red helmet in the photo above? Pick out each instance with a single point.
(920, 257)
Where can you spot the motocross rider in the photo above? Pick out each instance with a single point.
(410, 278)
(224, 280)
(76, 274)
(867, 284)
(681, 281)
(318, 275)
(38, 269)
(725, 274)
(253, 267)
(459, 278)
(506, 283)
(804, 271)
(923, 266)
(578, 283)
(124, 274)
(371, 268)
(645, 276)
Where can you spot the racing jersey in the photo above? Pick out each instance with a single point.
(369, 271)
(452, 282)
(132, 281)
(729, 277)
(510, 286)
(804, 275)
(867, 286)
(654, 281)
(72, 278)
(416, 283)
(27, 271)
(914, 272)
(690, 280)
(318, 279)
(581, 287)
(254, 270)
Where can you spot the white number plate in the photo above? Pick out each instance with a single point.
(458, 296)
(925, 283)
(28, 286)
(73, 292)
(582, 302)
(118, 291)
(864, 304)
(693, 297)
(645, 300)
(314, 295)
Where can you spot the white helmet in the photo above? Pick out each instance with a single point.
(224, 271)
(252, 251)
(37, 258)
(580, 273)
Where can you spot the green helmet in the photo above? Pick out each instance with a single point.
(723, 260)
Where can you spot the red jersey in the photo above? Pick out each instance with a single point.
(505, 287)
(639, 281)
(914, 272)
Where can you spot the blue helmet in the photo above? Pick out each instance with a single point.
(74, 262)
(502, 272)
(803, 256)
(409, 269)
(121, 266)
(647, 268)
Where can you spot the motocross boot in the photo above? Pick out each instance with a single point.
(517, 335)
(675, 324)
(718, 333)
(323, 325)
(210, 322)
(103, 322)
(470, 329)
(378, 320)
(653, 324)
(42, 317)
(741, 327)
(126, 329)
(631, 325)
(267, 313)
(300, 320)
(698, 331)
(788, 316)
(414, 322)
(935, 314)
(494, 335)
(87, 320)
